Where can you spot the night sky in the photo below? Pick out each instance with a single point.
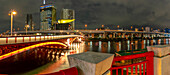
(94, 13)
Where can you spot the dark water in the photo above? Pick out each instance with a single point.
(46, 60)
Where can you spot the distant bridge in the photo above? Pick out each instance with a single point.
(100, 33)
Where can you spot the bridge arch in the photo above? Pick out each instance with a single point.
(31, 47)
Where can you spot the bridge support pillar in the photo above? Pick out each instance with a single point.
(117, 46)
(92, 35)
(123, 45)
(140, 35)
(104, 35)
(151, 42)
(89, 36)
(110, 35)
(139, 44)
(131, 41)
(142, 44)
(136, 44)
(114, 35)
(158, 42)
(123, 35)
(100, 35)
(113, 46)
(132, 35)
(164, 41)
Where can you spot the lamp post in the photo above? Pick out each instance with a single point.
(131, 27)
(142, 29)
(102, 26)
(12, 13)
(118, 27)
(85, 26)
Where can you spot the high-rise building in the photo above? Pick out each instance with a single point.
(68, 14)
(47, 17)
(29, 22)
(147, 29)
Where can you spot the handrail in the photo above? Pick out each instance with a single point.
(149, 63)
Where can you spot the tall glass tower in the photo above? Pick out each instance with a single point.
(47, 17)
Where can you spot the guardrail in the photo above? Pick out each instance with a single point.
(22, 39)
(146, 67)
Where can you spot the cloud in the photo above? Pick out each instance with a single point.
(94, 12)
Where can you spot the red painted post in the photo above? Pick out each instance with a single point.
(140, 70)
(15, 39)
(29, 38)
(116, 71)
(35, 38)
(150, 64)
(40, 38)
(7, 40)
(136, 69)
(127, 71)
(122, 71)
(144, 69)
(132, 70)
(23, 38)
(44, 37)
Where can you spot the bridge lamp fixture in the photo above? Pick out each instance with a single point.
(118, 26)
(102, 26)
(12, 13)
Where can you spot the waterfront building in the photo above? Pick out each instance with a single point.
(147, 29)
(68, 14)
(136, 29)
(47, 17)
(167, 30)
(29, 22)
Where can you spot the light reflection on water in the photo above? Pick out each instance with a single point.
(40, 61)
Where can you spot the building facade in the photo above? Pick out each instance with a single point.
(47, 17)
(29, 22)
(147, 29)
(68, 14)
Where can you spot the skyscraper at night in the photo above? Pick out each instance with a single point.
(68, 14)
(47, 17)
(29, 22)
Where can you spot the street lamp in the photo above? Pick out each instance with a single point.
(142, 29)
(118, 26)
(26, 26)
(102, 26)
(12, 13)
(131, 27)
(85, 26)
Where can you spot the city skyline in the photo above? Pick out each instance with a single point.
(97, 12)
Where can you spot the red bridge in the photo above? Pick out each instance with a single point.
(10, 46)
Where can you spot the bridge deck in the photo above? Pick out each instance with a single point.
(26, 39)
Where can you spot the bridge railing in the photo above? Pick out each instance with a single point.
(23, 39)
(140, 68)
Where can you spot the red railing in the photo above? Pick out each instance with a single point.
(121, 70)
